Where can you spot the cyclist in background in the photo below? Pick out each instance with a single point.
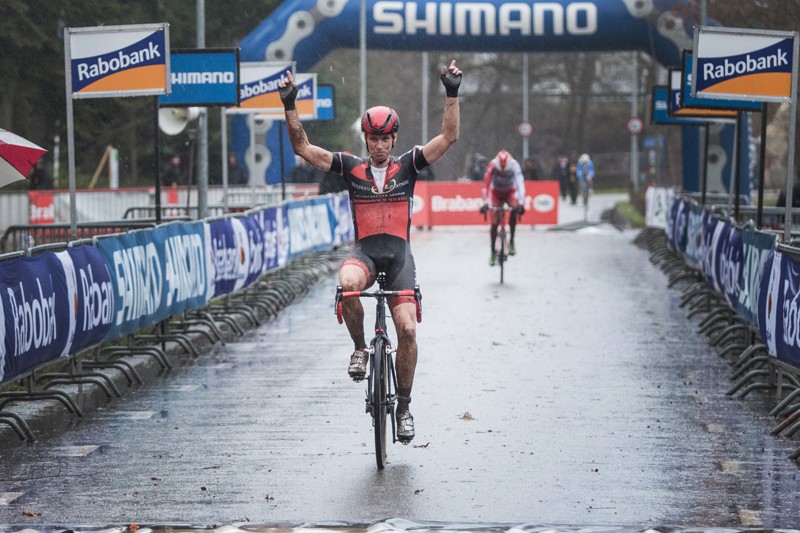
(503, 183)
(381, 189)
(585, 172)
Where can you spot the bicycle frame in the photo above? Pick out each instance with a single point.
(499, 214)
(382, 380)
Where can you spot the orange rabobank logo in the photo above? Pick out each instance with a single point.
(119, 62)
(756, 66)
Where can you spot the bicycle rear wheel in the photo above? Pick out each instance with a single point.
(379, 385)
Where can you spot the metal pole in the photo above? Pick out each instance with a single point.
(426, 83)
(736, 165)
(525, 98)
(73, 210)
(762, 157)
(157, 158)
(634, 113)
(362, 63)
(223, 120)
(703, 156)
(787, 222)
(202, 131)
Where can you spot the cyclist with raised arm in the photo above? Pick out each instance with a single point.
(381, 189)
(503, 183)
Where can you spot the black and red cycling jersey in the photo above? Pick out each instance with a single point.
(386, 212)
(382, 218)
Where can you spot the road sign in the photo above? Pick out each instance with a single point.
(525, 129)
(634, 125)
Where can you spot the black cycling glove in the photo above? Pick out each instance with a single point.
(451, 83)
(288, 96)
(520, 210)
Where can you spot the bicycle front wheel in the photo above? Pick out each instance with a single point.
(379, 384)
(501, 258)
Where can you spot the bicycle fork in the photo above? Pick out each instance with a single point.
(391, 395)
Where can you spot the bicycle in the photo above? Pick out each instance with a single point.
(381, 379)
(502, 236)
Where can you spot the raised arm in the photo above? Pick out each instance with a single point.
(317, 157)
(438, 146)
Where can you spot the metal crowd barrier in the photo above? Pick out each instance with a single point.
(227, 315)
(169, 212)
(24, 236)
(735, 339)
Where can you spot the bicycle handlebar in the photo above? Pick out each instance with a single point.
(379, 295)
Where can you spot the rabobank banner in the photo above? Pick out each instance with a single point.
(90, 296)
(778, 309)
(730, 265)
(35, 313)
(306, 95)
(108, 61)
(743, 64)
(258, 86)
(689, 101)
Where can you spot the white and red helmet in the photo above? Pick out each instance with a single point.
(380, 120)
(502, 158)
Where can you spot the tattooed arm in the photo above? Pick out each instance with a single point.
(316, 156)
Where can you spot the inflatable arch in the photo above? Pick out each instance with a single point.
(307, 30)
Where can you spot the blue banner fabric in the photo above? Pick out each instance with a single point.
(91, 293)
(693, 255)
(134, 263)
(311, 226)
(229, 255)
(34, 313)
(778, 312)
(185, 269)
(756, 246)
(730, 265)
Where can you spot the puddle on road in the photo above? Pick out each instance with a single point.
(387, 526)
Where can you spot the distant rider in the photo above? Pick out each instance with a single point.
(503, 183)
(381, 189)
(585, 172)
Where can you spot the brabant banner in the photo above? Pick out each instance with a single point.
(107, 61)
(743, 64)
(442, 203)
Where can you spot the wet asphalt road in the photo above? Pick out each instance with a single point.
(577, 393)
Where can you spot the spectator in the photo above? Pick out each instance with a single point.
(171, 173)
(781, 201)
(479, 167)
(237, 174)
(561, 174)
(530, 169)
(39, 178)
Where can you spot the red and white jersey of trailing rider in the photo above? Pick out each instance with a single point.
(381, 202)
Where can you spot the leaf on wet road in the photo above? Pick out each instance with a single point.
(466, 416)
(29, 513)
